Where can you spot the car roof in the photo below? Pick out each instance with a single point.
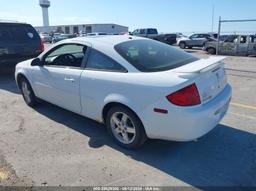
(108, 40)
(105, 44)
(10, 22)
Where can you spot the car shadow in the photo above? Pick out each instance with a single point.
(7, 82)
(224, 157)
(194, 50)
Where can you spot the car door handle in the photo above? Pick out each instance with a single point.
(69, 79)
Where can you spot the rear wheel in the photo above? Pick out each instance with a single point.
(182, 45)
(211, 51)
(125, 127)
(27, 92)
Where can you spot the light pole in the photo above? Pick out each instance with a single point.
(213, 13)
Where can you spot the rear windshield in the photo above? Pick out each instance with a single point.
(153, 56)
(18, 32)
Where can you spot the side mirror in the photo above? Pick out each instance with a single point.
(36, 62)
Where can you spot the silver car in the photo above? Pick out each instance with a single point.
(45, 37)
(241, 45)
(196, 40)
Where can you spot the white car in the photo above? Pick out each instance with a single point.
(139, 88)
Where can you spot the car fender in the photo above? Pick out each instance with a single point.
(24, 72)
(118, 98)
(130, 103)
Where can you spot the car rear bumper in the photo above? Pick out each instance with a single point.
(186, 123)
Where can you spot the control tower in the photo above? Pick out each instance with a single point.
(45, 4)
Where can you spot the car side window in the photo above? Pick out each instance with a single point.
(4, 34)
(99, 61)
(142, 31)
(194, 36)
(243, 39)
(135, 32)
(253, 39)
(206, 36)
(232, 39)
(67, 55)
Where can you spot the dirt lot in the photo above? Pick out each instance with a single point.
(51, 146)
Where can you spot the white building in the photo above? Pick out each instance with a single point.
(84, 28)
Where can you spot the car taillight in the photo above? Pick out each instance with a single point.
(187, 96)
(41, 46)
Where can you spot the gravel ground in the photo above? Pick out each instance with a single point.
(49, 146)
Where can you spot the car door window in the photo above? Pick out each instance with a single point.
(194, 36)
(232, 39)
(68, 55)
(4, 34)
(142, 31)
(99, 61)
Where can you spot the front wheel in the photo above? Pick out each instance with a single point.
(182, 45)
(125, 127)
(211, 51)
(27, 92)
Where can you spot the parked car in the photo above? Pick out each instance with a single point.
(242, 45)
(59, 37)
(46, 38)
(195, 40)
(180, 37)
(138, 87)
(96, 34)
(93, 34)
(18, 42)
(152, 33)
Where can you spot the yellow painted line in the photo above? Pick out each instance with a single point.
(3, 174)
(243, 106)
(244, 116)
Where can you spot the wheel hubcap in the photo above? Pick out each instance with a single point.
(123, 127)
(26, 92)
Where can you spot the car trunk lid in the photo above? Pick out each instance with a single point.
(210, 76)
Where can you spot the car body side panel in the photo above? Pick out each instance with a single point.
(99, 88)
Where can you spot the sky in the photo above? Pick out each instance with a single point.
(166, 15)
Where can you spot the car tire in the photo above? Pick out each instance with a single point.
(182, 45)
(125, 127)
(27, 92)
(211, 51)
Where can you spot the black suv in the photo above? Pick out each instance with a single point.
(18, 42)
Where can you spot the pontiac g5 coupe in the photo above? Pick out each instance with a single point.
(139, 88)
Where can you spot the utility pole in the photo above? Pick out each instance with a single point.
(213, 14)
(218, 44)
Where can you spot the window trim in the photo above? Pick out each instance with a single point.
(60, 45)
(103, 70)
